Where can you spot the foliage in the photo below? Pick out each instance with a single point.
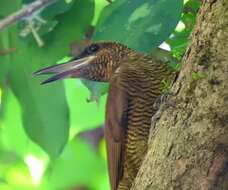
(40, 147)
(131, 21)
(198, 75)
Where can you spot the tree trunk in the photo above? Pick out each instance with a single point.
(188, 147)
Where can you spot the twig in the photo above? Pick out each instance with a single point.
(25, 11)
(36, 35)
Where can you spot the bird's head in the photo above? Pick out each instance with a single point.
(97, 62)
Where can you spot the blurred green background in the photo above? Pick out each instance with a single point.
(51, 136)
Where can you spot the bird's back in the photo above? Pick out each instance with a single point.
(137, 83)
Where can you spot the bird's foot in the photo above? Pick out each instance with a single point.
(160, 105)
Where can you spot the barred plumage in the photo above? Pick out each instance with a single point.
(136, 80)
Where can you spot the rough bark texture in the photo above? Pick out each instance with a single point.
(188, 147)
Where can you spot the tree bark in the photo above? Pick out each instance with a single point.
(188, 147)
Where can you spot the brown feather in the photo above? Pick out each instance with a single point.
(136, 80)
(115, 128)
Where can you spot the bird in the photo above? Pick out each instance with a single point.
(136, 81)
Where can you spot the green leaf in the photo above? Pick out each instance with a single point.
(12, 134)
(5, 9)
(83, 115)
(44, 108)
(4, 46)
(76, 163)
(97, 89)
(44, 20)
(142, 25)
(179, 39)
(99, 5)
(192, 6)
(13, 137)
(57, 8)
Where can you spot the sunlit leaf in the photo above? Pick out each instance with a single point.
(142, 25)
(66, 172)
(99, 5)
(83, 114)
(12, 133)
(44, 108)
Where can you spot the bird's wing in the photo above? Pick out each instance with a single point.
(115, 127)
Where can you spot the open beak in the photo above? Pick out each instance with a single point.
(69, 69)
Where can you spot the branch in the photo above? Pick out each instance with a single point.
(24, 12)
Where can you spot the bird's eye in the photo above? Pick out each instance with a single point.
(93, 48)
